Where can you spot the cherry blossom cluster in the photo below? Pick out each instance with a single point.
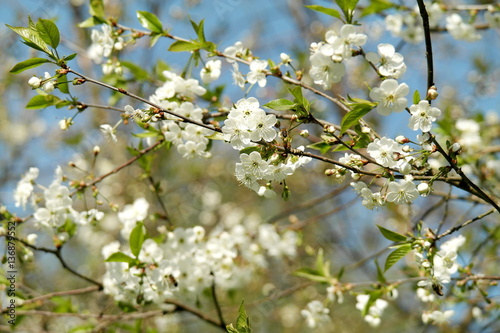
(187, 261)
(326, 57)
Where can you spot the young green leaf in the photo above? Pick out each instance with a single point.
(120, 257)
(376, 6)
(97, 8)
(138, 72)
(150, 21)
(311, 274)
(322, 146)
(27, 64)
(41, 101)
(49, 32)
(280, 105)
(358, 110)
(63, 84)
(181, 46)
(416, 97)
(325, 10)
(391, 235)
(91, 21)
(380, 274)
(242, 322)
(137, 237)
(31, 38)
(396, 255)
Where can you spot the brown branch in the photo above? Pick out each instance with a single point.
(60, 293)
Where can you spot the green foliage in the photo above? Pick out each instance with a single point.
(280, 105)
(347, 7)
(359, 108)
(182, 46)
(48, 32)
(62, 84)
(138, 72)
(242, 322)
(321, 273)
(120, 257)
(42, 101)
(27, 64)
(325, 10)
(150, 21)
(322, 146)
(97, 15)
(376, 6)
(416, 97)
(136, 239)
(391, 235)
(396, 255)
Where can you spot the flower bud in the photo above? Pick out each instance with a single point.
(48, 87)
(35, 82)
(455, 147)
(285, 58)
(402, 139)
(96, 150)
(424, 189)
(330, 172)
(432, 93)
(304, 133)
(329, 128)
(365, 129)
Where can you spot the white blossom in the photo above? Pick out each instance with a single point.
(315, 314)
(211, 71)
(390, 96)
(390, 63)
(422, 116)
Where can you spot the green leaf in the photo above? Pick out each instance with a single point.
(27, 64)
(358, 110)
(322, 146)
(243, 322)
(416, 97)
(49, 32)
(391, 235)
(248, 150)
(376, 6)
(396, 255)
(374, 295)
(120, 257)
(31, 38)
(150, 21)
(41, 101)
(138, 72)
(63, 84)
(91, 21)
(181, 46)
(137, 237)
(200, 30)
(154, 38)
(280, 105)
(347, 7)
(97, 8)
(70, 57)
(311, 274)
(380, 274)
(324, 10)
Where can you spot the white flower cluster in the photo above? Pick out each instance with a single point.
(444, 263)
(315, 314)
(460, 30)
(103, 44)
(409, 26)
(326, 57)
(390, 96)
(188, 260)
(58, 205)
(191, 140)
(470, 137)
(247, 122)
(47, 84)
(437, 317)
(375, 311)
(176, 85)
(253, 168)
(25, 187)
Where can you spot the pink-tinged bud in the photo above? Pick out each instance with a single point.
(401, 139)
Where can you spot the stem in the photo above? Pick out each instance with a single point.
(466, 223)
(428, 44)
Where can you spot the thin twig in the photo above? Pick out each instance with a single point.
(428, 44)
(466, 223)
(60, 293)
(216, 302)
